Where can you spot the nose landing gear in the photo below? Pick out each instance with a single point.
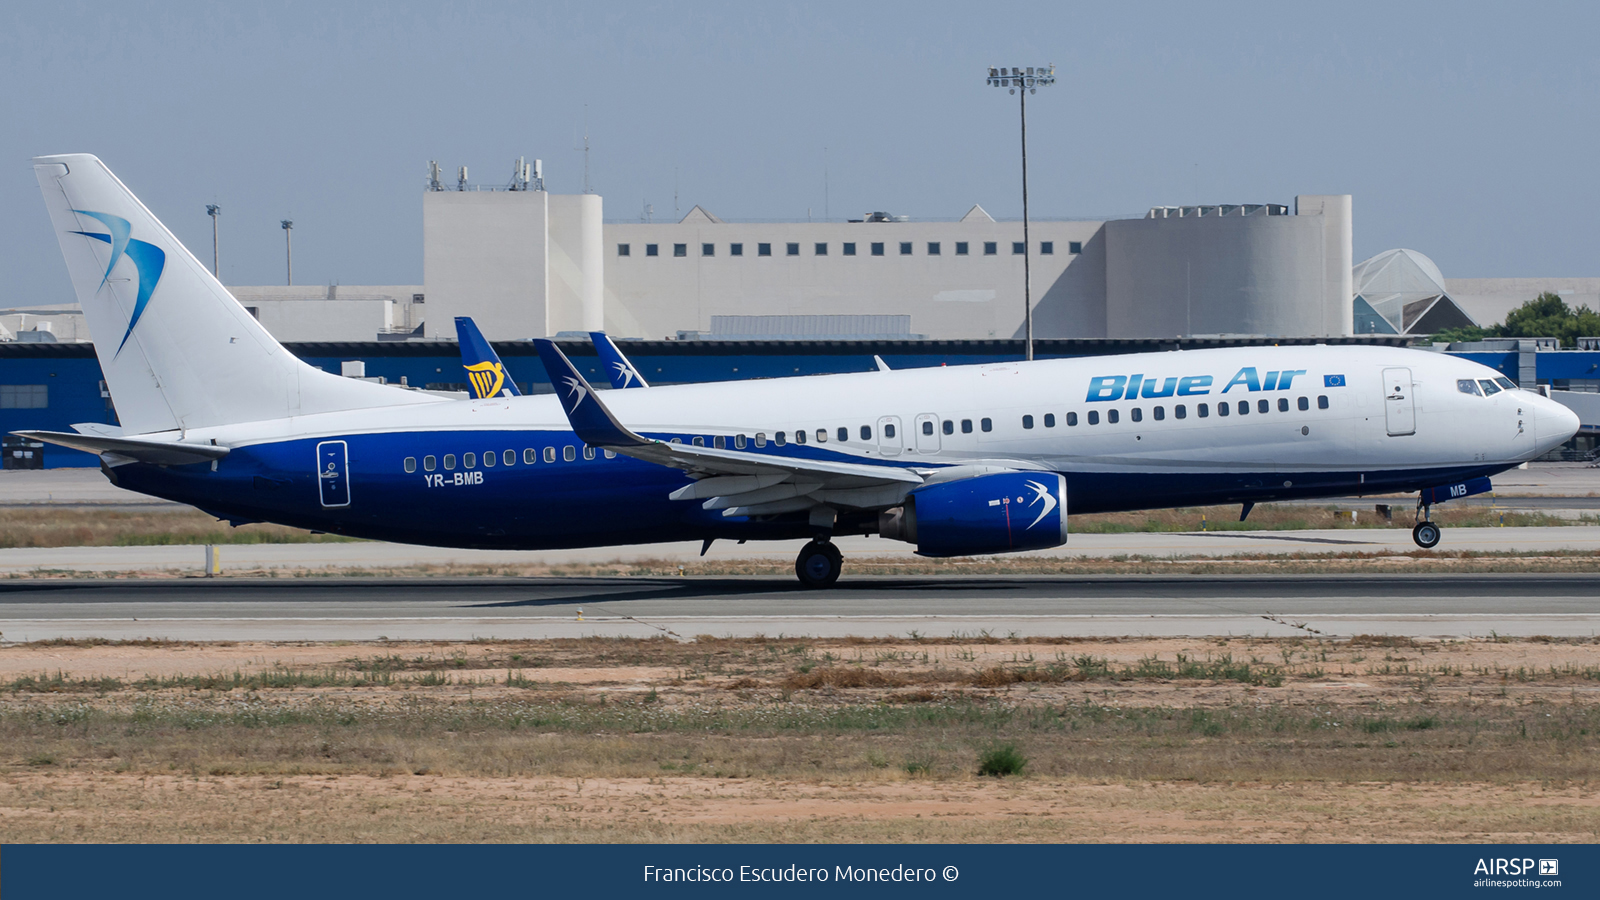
(1426, 533)
(819, 564)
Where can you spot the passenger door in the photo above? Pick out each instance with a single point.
(889, 436)
(333, 473)
(927, 433)
(1399, 407)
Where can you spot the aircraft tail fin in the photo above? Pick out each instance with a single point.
(177, 350)
(486, 374)
(618, 368)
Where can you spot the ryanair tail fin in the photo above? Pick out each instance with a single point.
(618, 369)
(177, 350)
(486, 374)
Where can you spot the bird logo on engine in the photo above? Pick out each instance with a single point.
(1043, 495)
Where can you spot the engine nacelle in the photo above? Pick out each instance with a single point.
(987, 514)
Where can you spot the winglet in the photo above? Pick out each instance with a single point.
(618, 368)
(590, 420)
(486, 374)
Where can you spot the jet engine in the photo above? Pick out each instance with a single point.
(986, 514)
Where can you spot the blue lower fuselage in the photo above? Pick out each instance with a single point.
(611, 500)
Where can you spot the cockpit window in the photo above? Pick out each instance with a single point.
(1506, 383)
(1467, 386)
(1489, 387)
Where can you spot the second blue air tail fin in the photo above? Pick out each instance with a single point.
(618, 368)
(486, 374)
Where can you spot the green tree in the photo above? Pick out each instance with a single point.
(1546, 315)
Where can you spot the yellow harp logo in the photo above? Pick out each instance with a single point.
(487, 379)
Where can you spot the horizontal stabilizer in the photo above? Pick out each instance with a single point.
(160, 453)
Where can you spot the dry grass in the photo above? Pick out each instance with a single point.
(1298, 517)
(47, 527)
(779, 739)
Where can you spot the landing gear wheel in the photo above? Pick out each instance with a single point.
(819, 564)
(1426, 534)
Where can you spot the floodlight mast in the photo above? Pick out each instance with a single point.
(1029, 79)
(212, 210)
(288, 248)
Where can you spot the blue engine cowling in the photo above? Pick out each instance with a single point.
(986, 514)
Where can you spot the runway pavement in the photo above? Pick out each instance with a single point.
(459, 609)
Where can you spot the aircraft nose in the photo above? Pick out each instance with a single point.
(1557, 423)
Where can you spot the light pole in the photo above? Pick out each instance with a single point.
(212, 210)
(1022, 81)
(288, 248)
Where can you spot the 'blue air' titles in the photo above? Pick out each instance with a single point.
(1133, 387)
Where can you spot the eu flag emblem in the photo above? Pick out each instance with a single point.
(1333, 381)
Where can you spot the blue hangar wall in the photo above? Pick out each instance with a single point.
(74, 392)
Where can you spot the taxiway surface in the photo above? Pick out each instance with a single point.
(461, 609)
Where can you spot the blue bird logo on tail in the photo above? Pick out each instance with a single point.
(148, 259)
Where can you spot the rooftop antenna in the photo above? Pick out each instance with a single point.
(519, 174)
(586, 188)
(433, 176)
(461, 178)
(649, 213)
(538, 175)
(675, 214)
(825, 217)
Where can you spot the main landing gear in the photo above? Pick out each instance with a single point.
(1426, 533)
(819, 563)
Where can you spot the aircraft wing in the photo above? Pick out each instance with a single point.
(618, 368)
(737, 482)
(161, 453)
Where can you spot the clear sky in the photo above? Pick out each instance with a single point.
(1467, 131)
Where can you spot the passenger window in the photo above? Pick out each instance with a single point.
(1263, 406)
(844, 434)
(966, 426)
(675, 441)
(822, 435)
(428, 463)
(569, 453)
(1180, 411)
(509, 457)
(866, 432)
(1202, 409)
(1489, 387)
(738, 442)
(588, 452)
(1094, 417)
(800, 436)
(1072, 419)
(949, 427)
(1136, 415)
(781, 438)
(927, 428)
(888, 431)
(1159, 412)
(530, 455)
(1304, 404)
(986, 424)
(610, 454)
(469, 460)
(698, 441)
(1027, 421)
(549, 454)
(1222, 408)
(411, 464)
(1322, 402)
(761, 439)
(1244, 407)
(1111, 417)
(1283, 404)
(449, 461)
(1049, 420)
(720, 442)
(490, 458)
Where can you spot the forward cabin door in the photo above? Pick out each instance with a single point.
(1399, 407)
(333, 473)
(889, 436)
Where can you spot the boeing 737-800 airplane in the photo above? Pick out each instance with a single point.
(959, 460)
